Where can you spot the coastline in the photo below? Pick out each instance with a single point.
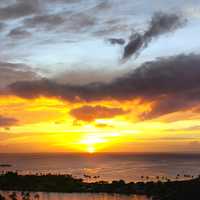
(179, 189)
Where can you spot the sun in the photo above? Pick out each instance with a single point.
(92, 143)
(91, 149)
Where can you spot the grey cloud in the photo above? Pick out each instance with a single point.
(114, 41)
(44, 21)
(79, 22)
(87, 75)
(101, 7)
(2, 26)
(65, 21)
(20, 8)
(136, 43)
(107, 28)
(160, 24)
(19, 33)
(12, 72)
(64, 1)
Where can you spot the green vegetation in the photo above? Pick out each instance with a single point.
(170, 190)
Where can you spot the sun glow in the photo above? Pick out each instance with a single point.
(92, 142)
(44, 125)
(91, 149)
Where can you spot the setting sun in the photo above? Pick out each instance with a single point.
(91, 149)
(92, 142)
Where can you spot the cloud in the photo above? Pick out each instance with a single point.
(7, 121)
(48, 21)
(173, 103)
(19, 33)
(2, 26)
(12, 72)
(79, 22)
(114, 41)
(20, 8)
(87, 75)
(90, 113)
(64, 1)
(160, 24)
(66, 22)
(171, 84)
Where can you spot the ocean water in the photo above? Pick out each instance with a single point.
(78, 196)
(129, 167)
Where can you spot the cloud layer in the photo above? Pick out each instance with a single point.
(170, 83)
(12, 72)
(20, 8)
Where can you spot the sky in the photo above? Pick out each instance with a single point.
(99, 76)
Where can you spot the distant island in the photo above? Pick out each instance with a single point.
(169, 190)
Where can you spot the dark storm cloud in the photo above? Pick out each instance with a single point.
(90, 113)
(160, 23)
(19, 33)
(7, 121)
(20, 8)
(172, 84)
(114, 41)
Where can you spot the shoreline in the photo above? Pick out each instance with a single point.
(7, 195)
(179, 189)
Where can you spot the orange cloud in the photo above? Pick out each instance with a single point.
(90, 113)
(7, 121)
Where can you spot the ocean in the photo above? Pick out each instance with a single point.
(106, 166)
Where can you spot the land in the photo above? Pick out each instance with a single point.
(168, 190)
(5, 165)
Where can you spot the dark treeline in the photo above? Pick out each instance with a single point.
(170, 190)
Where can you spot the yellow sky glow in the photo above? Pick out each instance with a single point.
(45, 125)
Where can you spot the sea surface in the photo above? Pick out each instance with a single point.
(107, 166)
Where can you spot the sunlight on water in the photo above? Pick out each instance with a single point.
(108, 167)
